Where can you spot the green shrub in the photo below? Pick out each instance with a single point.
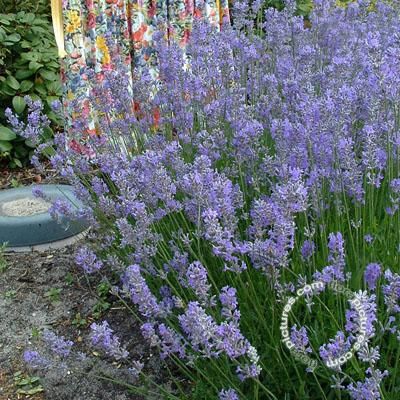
(39, 7)
(28, 66)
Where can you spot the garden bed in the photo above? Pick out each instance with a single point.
(41, 290)
(45, 290)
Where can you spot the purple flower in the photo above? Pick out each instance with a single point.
(368, 238)
(391, 291)
(34, 360)
(102, 337)
(37, 121)
(200, 328)
(136, 287)
(136, 368)
(371, 275)
(299, 338)
(231, 340)
(361, 317)
(57, 344)
(223, 243)
(229, 302)
(88, 260)
(331, 352)
(171, 342)
(228, 394)
(149, 332)
(369, 388)
(307, 250)
(251, 369)
(336, 256)
(197, 279)
(395, 185)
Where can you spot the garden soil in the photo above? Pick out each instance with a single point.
(46, 290)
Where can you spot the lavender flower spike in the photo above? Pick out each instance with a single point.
(371, 275)
(34, 360)
(228, 394)
(57, 344)
(103, 338)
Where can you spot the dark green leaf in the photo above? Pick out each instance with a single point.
(7, 90)
(25, 44)
(30, 143)
(25, 86)
(19, 104)
(14, 38)
(17, 162)
(5, 147)
(47, 133)
(34, 66)
(34, 96)
(55, 118)
(23, 73)
(53, 64)
(48, 151)
(48, 75)
(39, 29)
(6, 133)
(31, 56)
(21, 151)
(4, 19)
(55, 88)
(12, 82)
(29, 18)
(35, 390)
(41, 89)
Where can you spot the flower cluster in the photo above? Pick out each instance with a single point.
(102, 337)
(265, 153)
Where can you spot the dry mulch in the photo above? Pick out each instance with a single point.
(25, 176)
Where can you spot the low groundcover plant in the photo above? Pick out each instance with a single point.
(260, 170)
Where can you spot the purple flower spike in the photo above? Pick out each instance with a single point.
(88, 260)
(198, 281)
(57, 344)
(307, 250)
(34, 360)
(371, 275)
(103, 338)
(228, 394)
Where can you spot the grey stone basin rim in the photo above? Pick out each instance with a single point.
(38, 227)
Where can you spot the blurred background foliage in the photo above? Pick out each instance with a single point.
(28, 66)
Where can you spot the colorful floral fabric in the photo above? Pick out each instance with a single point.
(90, 26)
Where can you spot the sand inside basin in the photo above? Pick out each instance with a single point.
(23, 207)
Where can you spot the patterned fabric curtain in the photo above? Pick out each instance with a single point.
(90, 25)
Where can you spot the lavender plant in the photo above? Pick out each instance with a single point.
(264, 159)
